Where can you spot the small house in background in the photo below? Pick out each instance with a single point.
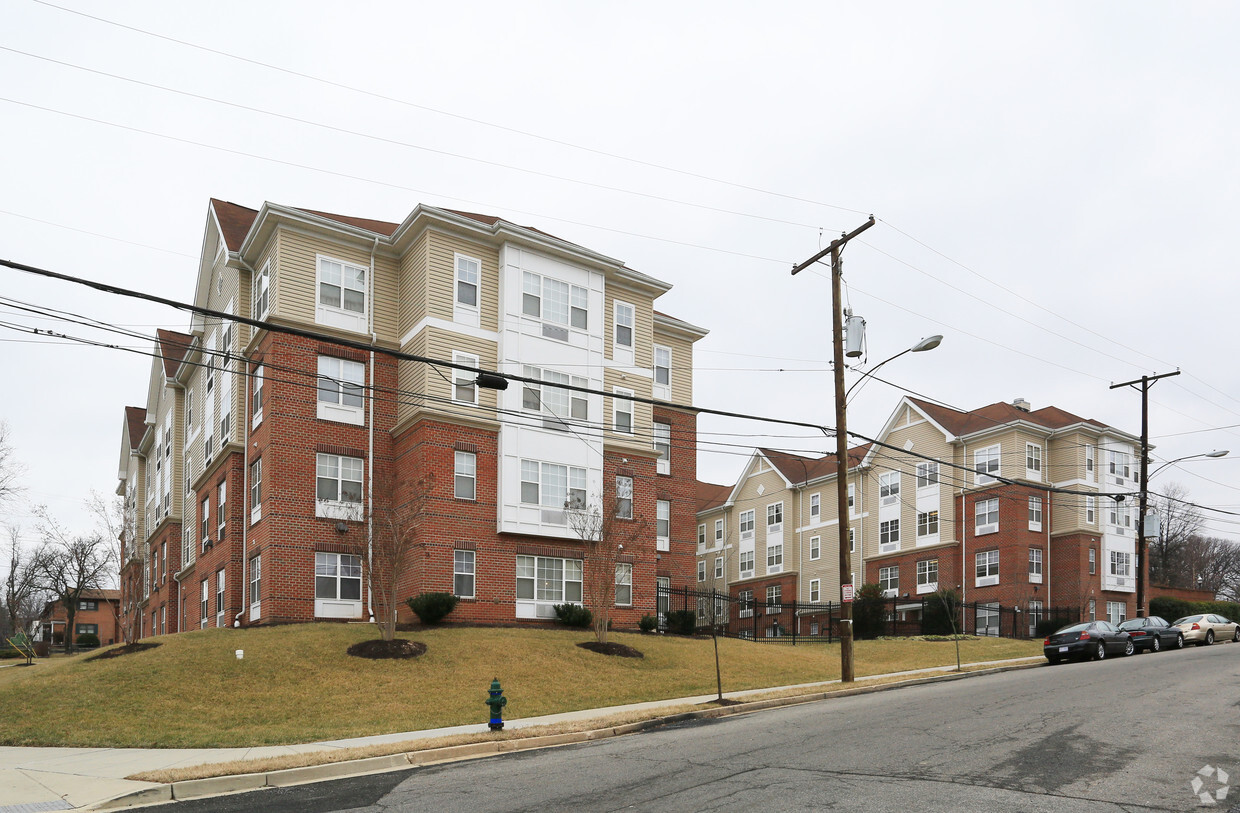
(98, 613)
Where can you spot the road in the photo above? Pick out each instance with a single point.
(1125, 734)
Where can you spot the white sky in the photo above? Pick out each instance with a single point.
(1056, 185)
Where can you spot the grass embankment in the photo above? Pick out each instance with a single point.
(296, 684)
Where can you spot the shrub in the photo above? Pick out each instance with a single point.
(1049, 626)
(430, 608)
(58, 637)
(648, 623)
(869, 612)
(574, 615)
(88, 639)
(1171, 608)
(682, 622)
(942, 610)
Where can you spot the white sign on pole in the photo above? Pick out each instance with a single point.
(847, 590)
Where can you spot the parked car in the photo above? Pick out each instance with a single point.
(1206, 628)
(1152, 633)
(1090, 639)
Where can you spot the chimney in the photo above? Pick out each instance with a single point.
(1021, 404)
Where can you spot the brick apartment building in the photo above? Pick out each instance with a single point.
(253, 472)
(1004, 504)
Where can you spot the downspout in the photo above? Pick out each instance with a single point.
(964, 534)
(370, 456)
(1049, 602)
(245, 465)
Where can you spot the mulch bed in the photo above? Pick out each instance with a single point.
(397, 648)
(127, 649)
(611, 648)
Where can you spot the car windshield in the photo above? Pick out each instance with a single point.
(1133, 624)
(1073, 628)
(1188, 619)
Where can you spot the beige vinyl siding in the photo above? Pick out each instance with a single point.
(442, 275)
(774, 490)
(442, 250)
(298, 272)
(178, 455)
(928, 441)
(682, 367)
(387, 298)
(643, 324)
(413, 378)
(441, 344)
(413, 270)
(642, 439)
(1065, 460)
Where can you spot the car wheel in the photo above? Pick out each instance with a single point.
(1101, 651)
(1129, 648)
(1156, 645)
(1179, 641)
(1209, 637)
(1236, 637)
(1052, 659)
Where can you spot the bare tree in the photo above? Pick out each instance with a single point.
(1179, 522)
(117, 526)
(1210, 563)
(399, 508)
(21, 586)
(70, 566)
(605, 535)
(11, 472)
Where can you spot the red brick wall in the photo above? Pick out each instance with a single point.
(1184, 593)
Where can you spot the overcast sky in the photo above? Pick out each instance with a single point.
(1056, 186)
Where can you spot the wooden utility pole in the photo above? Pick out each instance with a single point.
(1143, 497)
(841, 441)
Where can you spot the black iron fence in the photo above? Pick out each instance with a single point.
(687, 611)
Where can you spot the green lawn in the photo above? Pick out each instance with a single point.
(296, 684)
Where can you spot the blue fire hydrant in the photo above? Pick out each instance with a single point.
(496, 701)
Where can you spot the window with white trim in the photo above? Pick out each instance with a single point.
(747, 524)
(774, 558)
(663, 445)
(340, 387)
(889, 488)
(888, 535)
(927, 523)
(1093, 561)
(624, 496)
(342, 294)
(1033, 461)
(256, 490)
(1035, 565)
(1117, 464)
(718, 531)
(986, 515)
(189, 407)
(927, 474)
(1121, 563)
(852, 540)
(1117, 611)
(815, 548)
(1035, 613)
(624, 322)
(219, 598)
(889, 580)
(464, 564)
(543, 582)
(815, 590)
(663, 524)
(815, 508)
(256, 402)
(337, 584)
(774, 598)
(718, 567)
(338, 486)
(260, 296)
(221, 492)
(986, 465)
(464, 390)
(701, 570)
(467, 278)
(204, 612)
(701, 537)
(986, 565)
(1091, 473)
(554, 487)
(622, 411)
(746, 564)
(744, 604)
(256, 583)
(624, 584)
(205, 519)
(553, 398)
(465, 475)
(1035, 513)
(662, 370)
(775, 518)
(554, 301)
(927, 576)
(852, 501)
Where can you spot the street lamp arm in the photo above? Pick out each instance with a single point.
(925, 344)
(1219, 453)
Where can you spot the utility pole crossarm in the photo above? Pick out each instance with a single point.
(834, 245)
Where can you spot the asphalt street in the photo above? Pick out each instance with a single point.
(1124, 734)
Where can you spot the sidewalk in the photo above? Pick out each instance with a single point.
(44, 779)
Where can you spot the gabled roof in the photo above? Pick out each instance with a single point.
(491, 220)
(234, 220)
(172, 347)
(377, 226)
(799, 469)
(995, 415)
(135, 422)
(711, 495)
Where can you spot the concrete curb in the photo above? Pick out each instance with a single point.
(238, 783)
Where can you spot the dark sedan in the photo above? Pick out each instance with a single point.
(1152, 634)
(1091, 639)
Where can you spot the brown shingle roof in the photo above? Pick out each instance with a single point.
(173, 346)
(135, 420)
(234, 220)
(988, 417)
(377, 226)
(711, 495)
(800, 469)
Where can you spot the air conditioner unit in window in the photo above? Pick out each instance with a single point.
(206, 545)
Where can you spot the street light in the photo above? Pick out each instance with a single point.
(928, 343)
(1218, 453)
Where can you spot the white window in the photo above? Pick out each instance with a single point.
(555, 487)
(204, 595)
(226, 345)
(260, 298)
(1093, 615)
(747, 523)
(1093, 561)
(1121, 563)
(256, 585)
(986, 513)
(927, 576)
(467, 269)
(852, 502)
(463, 573)
(1035, 565)
(1091, 510)
(554, 301)
(622, 411)
(852, 540)
(662, 371)
(465, 475)
(256, 404)
(744, 603)
(889, 488)
(1033, 461)
(927, 523)
(1035, 616)
(208, 360)
(718, 531)
(889, 580)
(987, 567)
(337, 585)
(464, 390)
(219, 598)
(256, 490)
(624, 584)
(815, 590)
(663, 524)
(1091, 473)
(774, 598)
(338, 489)
(746, 564)
(342, 294)
(624, 497)
(1035, 513)
(774, 558)
(1117, 464)
(663, 445)
(624, 324)
(544, 582)
(340, 385)
(986, 464)
(1117, 611)
(927, 475)
(718, 567)
(205, 519)
(888, 535)
(815, 507)
(189, 407)
(987, 619)
(815, 548)
(553, 398)
(222, 511)
(701, 537)
(775, 518)
(701, 570)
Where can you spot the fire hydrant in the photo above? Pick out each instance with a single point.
(496, 701)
